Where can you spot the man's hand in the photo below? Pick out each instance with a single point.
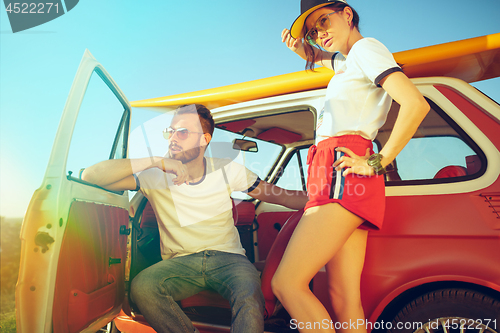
(274, 194)
(174, 167)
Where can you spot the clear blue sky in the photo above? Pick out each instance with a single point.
(158, 48)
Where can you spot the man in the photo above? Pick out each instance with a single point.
(200, 245)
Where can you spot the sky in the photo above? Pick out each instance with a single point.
(162, 47)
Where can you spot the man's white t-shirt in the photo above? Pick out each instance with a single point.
(355, 103)
(198, 216)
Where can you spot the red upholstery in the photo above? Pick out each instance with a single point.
(237, 126)
(148, 219)
(279, 135)
(245, 212)
(87, 286)
(451, 171)
(473, 164)
(274, 258)
(267, 231)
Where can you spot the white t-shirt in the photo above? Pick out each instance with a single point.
(355, 102)
(197, 217)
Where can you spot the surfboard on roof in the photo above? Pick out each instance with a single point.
(471, 60)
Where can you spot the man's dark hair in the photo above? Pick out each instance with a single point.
(206, 120)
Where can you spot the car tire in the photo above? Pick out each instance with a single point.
(449, 310)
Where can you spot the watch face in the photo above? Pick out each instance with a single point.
(374, 159)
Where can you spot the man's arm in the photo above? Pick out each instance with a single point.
(274, 194)
(117, 175)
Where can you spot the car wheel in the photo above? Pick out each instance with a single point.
(449, 310)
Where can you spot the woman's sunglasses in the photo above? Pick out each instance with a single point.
(182, 133)
(322, 24)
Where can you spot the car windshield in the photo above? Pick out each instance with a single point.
(259, 162)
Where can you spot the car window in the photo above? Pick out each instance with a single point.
(99, 128)
(440, 151)
(424, 158)
(259, 162)
(294, 176)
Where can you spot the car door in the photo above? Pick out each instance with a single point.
(74, 234)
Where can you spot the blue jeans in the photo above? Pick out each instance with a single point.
(156, 289)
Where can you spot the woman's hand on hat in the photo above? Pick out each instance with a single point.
(292, 43)
(353, 163)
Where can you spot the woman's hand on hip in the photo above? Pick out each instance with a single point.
(353, 163)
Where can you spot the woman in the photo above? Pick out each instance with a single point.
(345, 184)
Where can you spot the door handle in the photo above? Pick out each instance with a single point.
(114, 261)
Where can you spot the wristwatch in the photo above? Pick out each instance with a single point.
(374, 162)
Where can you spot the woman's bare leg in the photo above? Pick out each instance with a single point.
(344, 282)
(320, 234)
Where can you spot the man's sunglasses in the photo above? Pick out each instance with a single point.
(322, 24)
(182, 133)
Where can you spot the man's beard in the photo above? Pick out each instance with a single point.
(186, 156)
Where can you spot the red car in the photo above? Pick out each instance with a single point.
(435, 265)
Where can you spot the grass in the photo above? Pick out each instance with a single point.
(8, 322)
(10, 250)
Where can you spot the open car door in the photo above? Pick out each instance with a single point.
(74, 234)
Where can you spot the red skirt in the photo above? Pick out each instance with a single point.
(361, 195)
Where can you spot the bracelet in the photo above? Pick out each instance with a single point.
(375, 162)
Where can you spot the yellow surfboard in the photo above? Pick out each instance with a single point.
(471, 60)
